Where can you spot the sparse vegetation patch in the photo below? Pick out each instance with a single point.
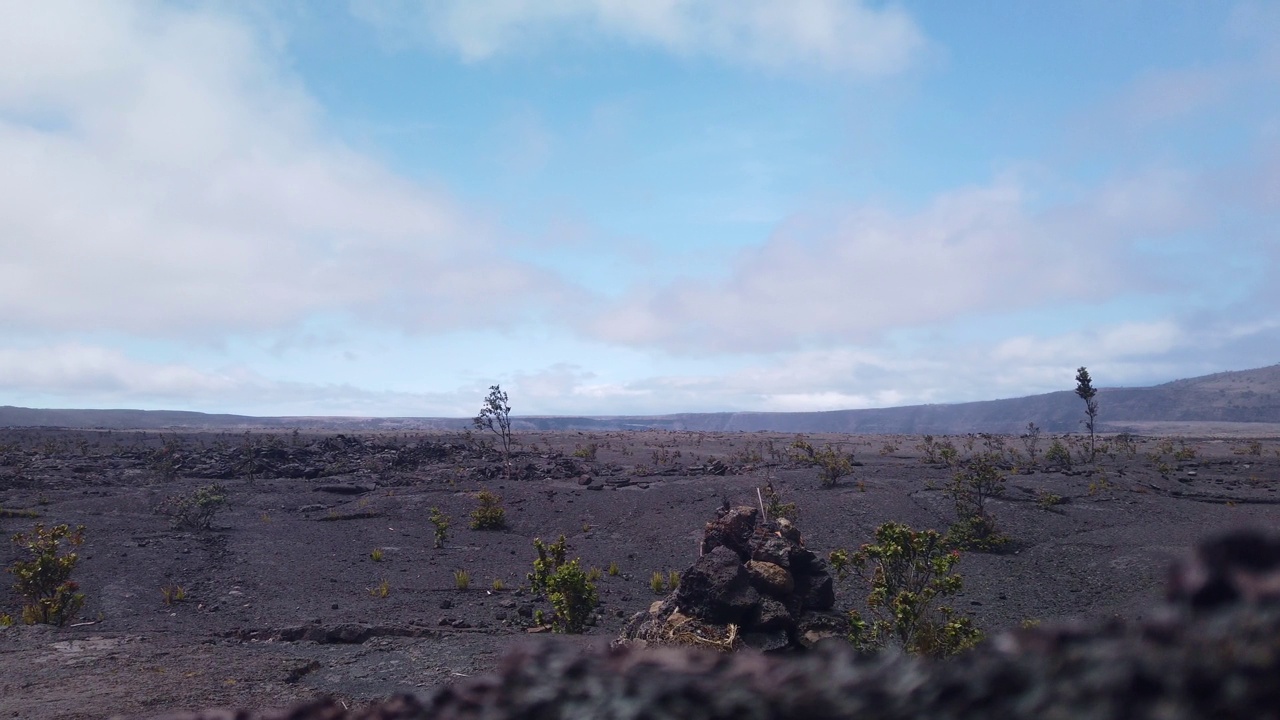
(908, 573)
(43, 575)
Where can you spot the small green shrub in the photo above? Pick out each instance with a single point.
(461, 579)
(197, 510)
(774, 508)
(929, 448)
(173, 594)
(166, 461)
(377, 555)
(948, 453)
(977, 533)
(907, 572)
(970, 488)
(586, 452)
(381, 590)
(1125, 443)
(1099, 484)
(549, 558)
(498, 585)
(44, 578)
(594, 574)
(657, 582)
(1047, 500)
(613, 569)
(440, 526)
(572, 594)
(1253, 447)
(832, 464)
(1057, 454)
(1031, 442)
(489, 515)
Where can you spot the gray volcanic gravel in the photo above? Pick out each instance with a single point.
(279, 607)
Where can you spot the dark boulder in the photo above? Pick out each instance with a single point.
(733, 529)
(717, 589)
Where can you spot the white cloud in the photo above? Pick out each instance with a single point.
(849, 275)
(165, 175)
(85, 375)
(91, 371)
(837, 35)
(1112, 343)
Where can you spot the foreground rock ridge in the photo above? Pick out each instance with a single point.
(1214, 652)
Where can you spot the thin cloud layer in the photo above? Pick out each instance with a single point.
(830, 35)
(95, 376)
(848, 275)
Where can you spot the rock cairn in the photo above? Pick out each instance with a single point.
(755, 585)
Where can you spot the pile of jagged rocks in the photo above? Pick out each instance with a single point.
(755, 584)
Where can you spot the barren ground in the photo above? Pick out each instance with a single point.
(278, 601)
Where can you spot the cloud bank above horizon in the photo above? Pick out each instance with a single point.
(629, 207)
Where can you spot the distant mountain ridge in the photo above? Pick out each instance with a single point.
(1244, 396)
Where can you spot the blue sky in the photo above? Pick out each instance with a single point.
(630, 206)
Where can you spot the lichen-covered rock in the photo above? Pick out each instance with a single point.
(770, 578)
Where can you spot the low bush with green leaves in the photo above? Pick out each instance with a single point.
(774, 507)
(1049, 500)
(196, 510)
(907, 572)
(831, 462)
(972, 486)
(44, 575)
(928, 447)
(571, 593)
(1057, 454)
(489, 514)
(440, 526)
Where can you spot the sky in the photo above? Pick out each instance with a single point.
(381, 208)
